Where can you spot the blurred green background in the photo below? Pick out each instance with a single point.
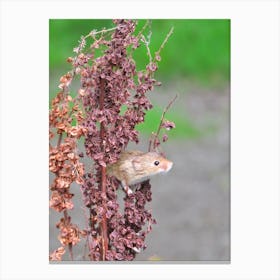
(197, 53)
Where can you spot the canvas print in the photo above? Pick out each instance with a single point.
(139, 140)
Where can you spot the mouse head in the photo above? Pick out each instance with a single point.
(151, 163)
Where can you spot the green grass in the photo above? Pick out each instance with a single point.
(184, 127)
(198, 50)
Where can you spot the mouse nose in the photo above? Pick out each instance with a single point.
(169, 165)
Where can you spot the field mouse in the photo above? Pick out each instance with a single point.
(135, 167)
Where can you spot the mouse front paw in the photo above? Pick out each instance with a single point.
(136, 250)
(129, 191)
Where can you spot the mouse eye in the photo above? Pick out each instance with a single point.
(156, 162)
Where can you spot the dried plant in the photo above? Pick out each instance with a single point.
(110, 102)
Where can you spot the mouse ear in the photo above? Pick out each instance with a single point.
(136, 162)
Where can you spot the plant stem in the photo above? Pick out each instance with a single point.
(103, 177)
(93, 32)
(155, 135)
(59, 140)
(70, 247)
(166, 39)
(164, 112)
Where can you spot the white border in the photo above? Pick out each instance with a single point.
(254, 136)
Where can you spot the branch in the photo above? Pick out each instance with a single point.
(70, 246)
(103, 178)
(155, 135)
(143, 29)
(147, 47)
(94, 32)
(165, 40)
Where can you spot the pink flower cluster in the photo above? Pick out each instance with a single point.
(113, 97)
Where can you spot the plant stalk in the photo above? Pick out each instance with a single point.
(103, 177)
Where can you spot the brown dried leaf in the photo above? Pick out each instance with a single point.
(57, 254)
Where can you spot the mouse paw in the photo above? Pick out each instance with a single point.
(129, 191)
(136, 250)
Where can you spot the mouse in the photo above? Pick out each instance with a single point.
(134, 167)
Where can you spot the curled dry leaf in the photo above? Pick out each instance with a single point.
(61, 201)
(57, 254)
(69, 233)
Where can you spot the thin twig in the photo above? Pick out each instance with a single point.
(165, 40)
(87, 240)
(70, 246)
(164, 112)
(94, 32)
(59, 140)
(147, 47)
(155, 135)
(143, 28)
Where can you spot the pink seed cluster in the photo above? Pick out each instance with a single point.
(111, 101)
